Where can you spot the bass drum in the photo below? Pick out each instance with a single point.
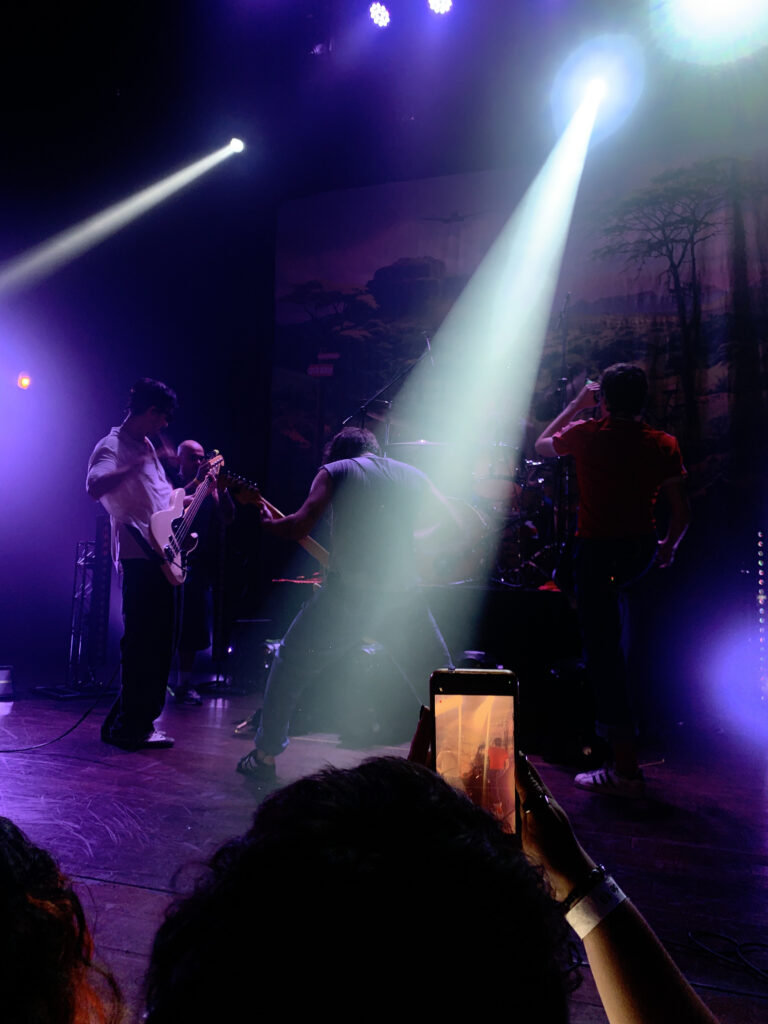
(456, 552)
(496, 479)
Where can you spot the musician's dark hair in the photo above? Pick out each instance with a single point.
(349, 443)
(625, 389)
(47, 973)
(365, 875)
(147, 393)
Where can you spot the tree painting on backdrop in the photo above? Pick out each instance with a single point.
(671, 274)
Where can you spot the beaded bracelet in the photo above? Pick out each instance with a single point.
(595, 877)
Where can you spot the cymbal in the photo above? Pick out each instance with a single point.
(419, 444)
(474, 445)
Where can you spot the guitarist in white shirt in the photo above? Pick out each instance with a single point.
(126, 475)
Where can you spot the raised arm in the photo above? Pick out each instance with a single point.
(587, 398)
(636, 979)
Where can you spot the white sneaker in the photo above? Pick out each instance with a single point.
(607, 780)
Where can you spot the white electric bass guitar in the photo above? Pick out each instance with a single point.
(170, 530)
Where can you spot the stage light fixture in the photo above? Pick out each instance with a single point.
(236, 145)
(608, 71)
(379, 15)
(710, 31)
(440, 6)
(24, 381)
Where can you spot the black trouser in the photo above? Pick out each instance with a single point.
(604, 570)
(149, 640)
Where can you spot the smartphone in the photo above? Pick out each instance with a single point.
(473, 740)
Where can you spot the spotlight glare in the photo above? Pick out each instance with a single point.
(596, 90)
(710, 31)
(605, 73)
(440, 6)
(236, 145)
(379, 15)
(23, 381)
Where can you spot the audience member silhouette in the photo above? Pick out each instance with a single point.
(363, 892)
(46, 972)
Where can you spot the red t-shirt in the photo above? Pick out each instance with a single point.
(620, 466)
(497, 758)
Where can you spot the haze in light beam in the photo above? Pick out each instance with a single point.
(47, 257)
(488, 349)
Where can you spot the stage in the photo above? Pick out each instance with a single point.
(132, 828)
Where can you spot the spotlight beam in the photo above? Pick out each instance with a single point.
(44, 259)
(504, 309)
(487, 352)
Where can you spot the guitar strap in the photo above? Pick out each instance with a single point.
(151, 554)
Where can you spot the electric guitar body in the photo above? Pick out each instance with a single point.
(163, 529)
(170, 528)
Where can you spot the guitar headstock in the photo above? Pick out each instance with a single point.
(212, 467)
(214, 461)
(243, 490)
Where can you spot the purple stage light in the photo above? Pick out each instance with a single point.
(23, 381)
(440, 6)
(379, 15)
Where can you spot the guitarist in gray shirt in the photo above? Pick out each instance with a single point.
(125, 474)
(378, 505)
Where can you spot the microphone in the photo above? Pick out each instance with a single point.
(429, 347)
(564, 310)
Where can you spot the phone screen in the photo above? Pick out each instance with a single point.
(474, 741)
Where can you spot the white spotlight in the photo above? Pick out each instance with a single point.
(43, 259)
(710, 31)
(607, 74)
(379, 15)
(596, 90)
(236, 145)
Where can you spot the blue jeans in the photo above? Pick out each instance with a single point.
(336, 621)
(604, 570)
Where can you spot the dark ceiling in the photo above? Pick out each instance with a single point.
(98, 98)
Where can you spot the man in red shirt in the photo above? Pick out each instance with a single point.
(622, 465)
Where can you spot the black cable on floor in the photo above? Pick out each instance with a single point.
(55, 739)
(735, 953)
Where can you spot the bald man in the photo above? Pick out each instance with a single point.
(216, 512)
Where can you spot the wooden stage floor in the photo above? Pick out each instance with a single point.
(694, 857)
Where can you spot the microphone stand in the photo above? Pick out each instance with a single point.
(362, 411)
(562, 505)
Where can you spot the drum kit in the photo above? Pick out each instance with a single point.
(509, 530)
(505, 524)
